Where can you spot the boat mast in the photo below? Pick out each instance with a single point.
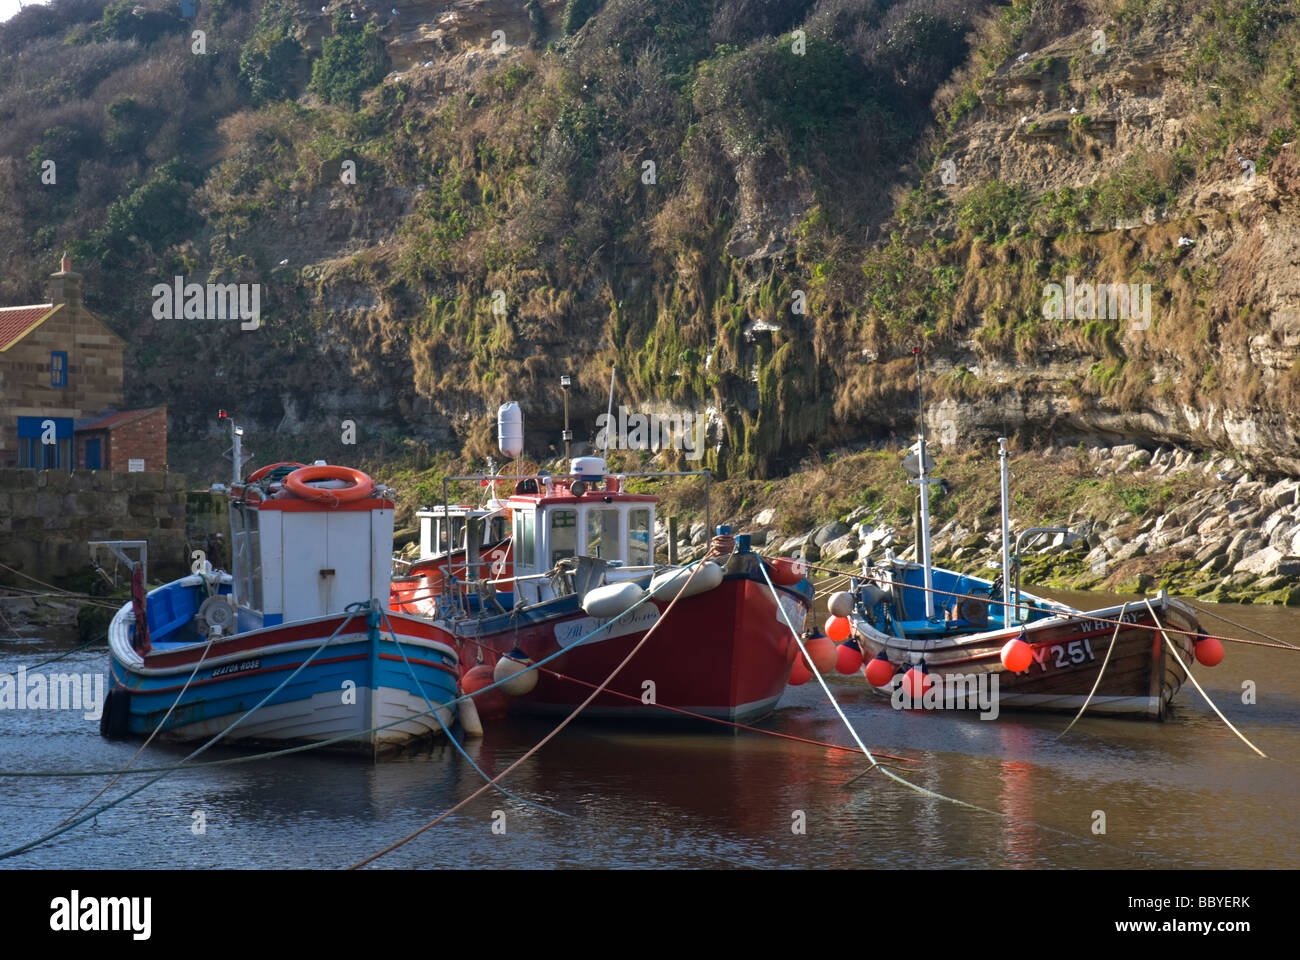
(1006, 535)
(609, 414)
(924, 483)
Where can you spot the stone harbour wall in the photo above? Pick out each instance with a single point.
(47, 517)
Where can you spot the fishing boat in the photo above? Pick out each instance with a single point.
(921, 626)
(577, 574)
(306, 602)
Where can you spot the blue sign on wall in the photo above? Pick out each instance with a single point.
(31, 427)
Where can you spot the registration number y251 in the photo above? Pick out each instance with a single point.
(1064, 655)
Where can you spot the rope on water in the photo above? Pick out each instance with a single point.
(1073, 614)
(1218, 616)
(728, 723)
(1096, 683)
(876, 765)
(316, 745)
(64, 828)
(77, 649)
(434, 711)
(546, 739)
(1172, 649)
(161, 723)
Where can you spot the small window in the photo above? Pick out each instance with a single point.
(59, 368)
(603, 535)
(638, 537)
(564, 534)
(524, 548)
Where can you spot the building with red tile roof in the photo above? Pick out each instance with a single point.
(61, 368)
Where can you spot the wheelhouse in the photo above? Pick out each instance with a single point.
(584, 515)
(440, 526)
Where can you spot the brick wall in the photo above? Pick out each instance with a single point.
(144, 439)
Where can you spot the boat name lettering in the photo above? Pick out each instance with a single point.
(634, 621)
(236, 667)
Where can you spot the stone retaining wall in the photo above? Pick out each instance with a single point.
(47, 517)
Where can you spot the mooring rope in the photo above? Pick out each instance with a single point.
(315, 745)
(68, 653)
(446, 732)
(64, 828)
(153, 733)
(704, 716)
(1067, 613)
(1218, 616)
(876, 765)
(1096, 683)
(546, 739)
(1172, 649)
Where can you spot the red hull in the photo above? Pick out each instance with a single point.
(726, 654)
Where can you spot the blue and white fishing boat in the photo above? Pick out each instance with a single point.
(310, 588)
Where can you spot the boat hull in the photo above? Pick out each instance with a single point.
(356, 682)
(1140, 678)
(724, 654)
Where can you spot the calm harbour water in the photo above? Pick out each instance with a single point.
(1181, 794)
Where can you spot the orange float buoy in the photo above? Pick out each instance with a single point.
(837, 628)
(799, 673)
(491, 705)
(822, 652)
(879, 671)
(787, 572)
(848, 658)
(1209, 651)
(916, 681)
(1017, 655)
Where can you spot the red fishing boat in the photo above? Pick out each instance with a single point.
(577, 574)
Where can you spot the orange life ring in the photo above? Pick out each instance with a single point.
(259, 473)
(297, 484)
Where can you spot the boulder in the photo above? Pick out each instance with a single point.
(1268, 562)
(831, 531)
(764, 518)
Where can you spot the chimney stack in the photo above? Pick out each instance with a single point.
(65, 286)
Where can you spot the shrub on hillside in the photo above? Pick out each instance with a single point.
(350, 62)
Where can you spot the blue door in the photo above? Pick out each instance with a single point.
(93, 454)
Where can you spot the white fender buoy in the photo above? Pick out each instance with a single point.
(513, 669)
(841, 603)
(469, 720)
(668, 584)
(612, 600)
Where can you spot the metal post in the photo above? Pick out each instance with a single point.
(237, 448)
(1008, 615)
(925, 532)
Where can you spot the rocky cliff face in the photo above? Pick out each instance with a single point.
(1213, 366)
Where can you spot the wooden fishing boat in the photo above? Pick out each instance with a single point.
(309, 589)
(962, 639)
(975, 640)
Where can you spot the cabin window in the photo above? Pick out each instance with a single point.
(59, 368)
(638, 537)
(524, 548)
(564, 534)
(497, 530)
(247, 549)
(603, 535)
